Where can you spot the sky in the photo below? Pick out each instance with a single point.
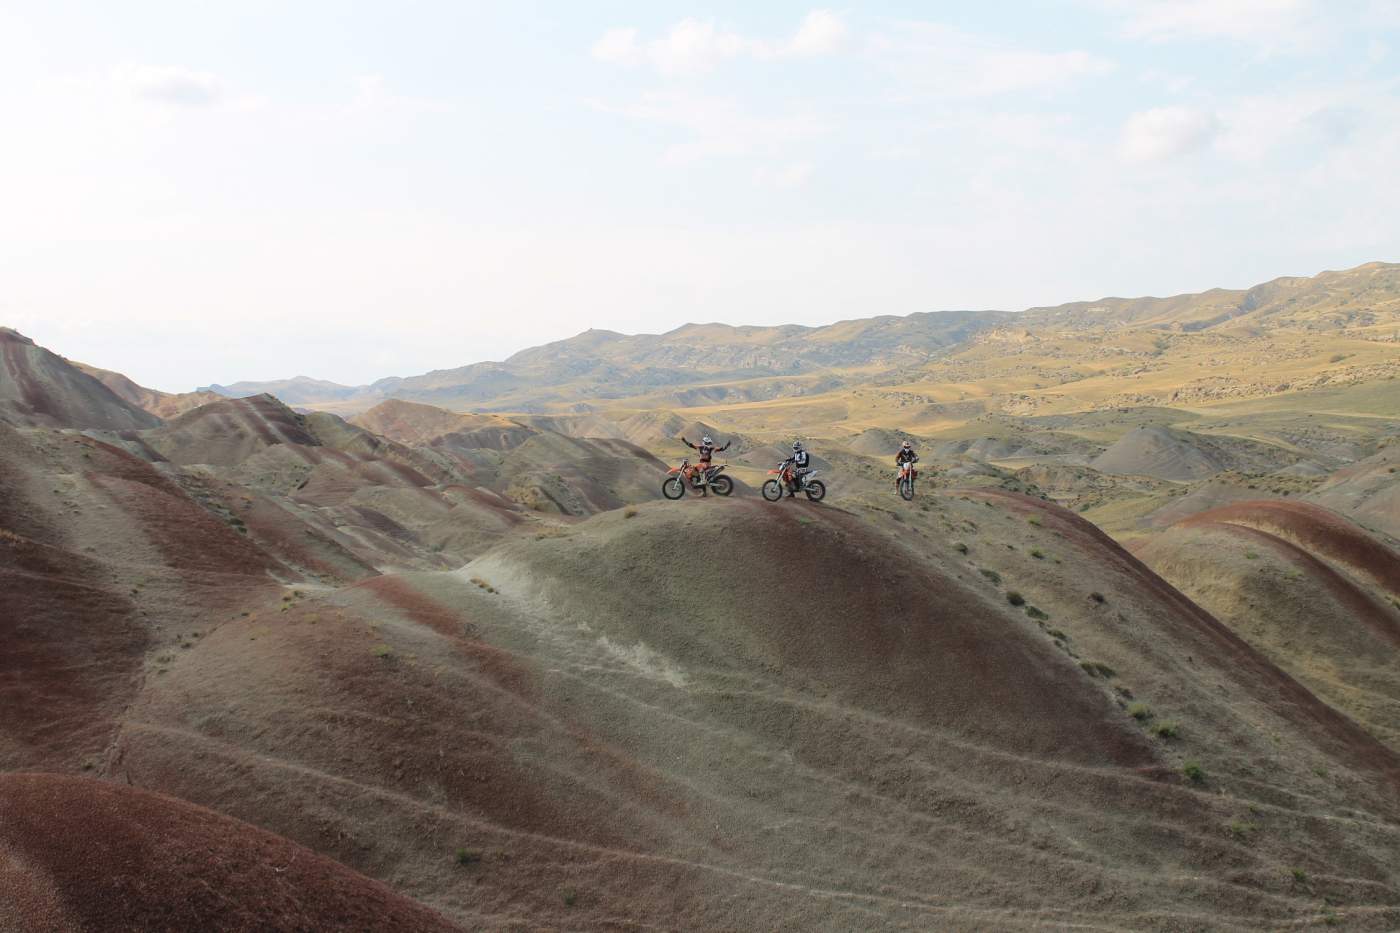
(207, 192)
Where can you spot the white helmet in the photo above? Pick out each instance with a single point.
(706, 440)
(906, 445)
(796, 445)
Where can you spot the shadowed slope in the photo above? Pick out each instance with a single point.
(78, 854)
(1174, 653)
(39, 388)
(1308, 589)
(229, 431)
(1367, 491)
(160, 404)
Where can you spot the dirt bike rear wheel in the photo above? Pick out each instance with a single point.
(772, 490)
(673, 487)
(906, 489)
(816, 490)
(722, 485)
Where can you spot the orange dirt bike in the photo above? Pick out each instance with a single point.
(905, 482)
(783, 479)
(679, 477)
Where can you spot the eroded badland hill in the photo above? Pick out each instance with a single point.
(436, 654)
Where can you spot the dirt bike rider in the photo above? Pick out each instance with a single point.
(906, 455)
(706, 449)
(801, 466)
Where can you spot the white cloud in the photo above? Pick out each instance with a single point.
(1166, 132)
(373, 96)
(619, 47)
(791, 176)
(821, 33)
(695, 46)
(1305, 123)
(717, 127)
(1272, 23)
(933, 60)
(172, 86)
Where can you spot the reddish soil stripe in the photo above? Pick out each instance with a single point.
(1317, 528)
(1330, 729)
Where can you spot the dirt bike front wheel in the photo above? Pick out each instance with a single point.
(722, 485)
(772, 490)
(906, 489)
(673, 487)
(816, 490)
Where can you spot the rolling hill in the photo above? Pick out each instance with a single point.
(1292, 334)
(1126, 661)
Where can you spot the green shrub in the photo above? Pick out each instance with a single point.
(1096, 596)
(1166, 730)
(1097, 669)
(382, 651)
(1038, 554)
(960, 548)
(1140, 711)
(991, 575)
(468, 856)
(1037, 614)
(1194, 773)
(1242, 829)
(1015, 598)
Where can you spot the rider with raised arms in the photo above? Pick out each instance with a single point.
(706, 448)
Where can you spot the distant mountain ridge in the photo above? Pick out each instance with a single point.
(606, 364)
(699, 364)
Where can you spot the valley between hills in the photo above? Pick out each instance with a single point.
(434, 652)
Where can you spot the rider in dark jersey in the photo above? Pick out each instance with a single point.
(906, 455)
(801, 466)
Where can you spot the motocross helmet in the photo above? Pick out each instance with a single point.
(706, 440)
(796, 445)
(907, 446)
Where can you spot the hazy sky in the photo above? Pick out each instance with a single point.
(206, 192)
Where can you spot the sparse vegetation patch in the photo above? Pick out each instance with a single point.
(1242, 829)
